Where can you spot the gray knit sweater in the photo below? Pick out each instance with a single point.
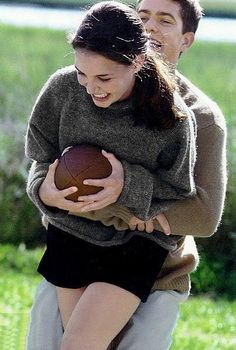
(158, 165)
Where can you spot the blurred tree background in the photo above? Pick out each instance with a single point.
(28, 57)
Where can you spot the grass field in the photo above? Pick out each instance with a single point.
(205, 324)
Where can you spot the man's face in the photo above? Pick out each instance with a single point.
(163, 22)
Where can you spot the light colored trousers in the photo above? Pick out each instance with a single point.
(153, 321)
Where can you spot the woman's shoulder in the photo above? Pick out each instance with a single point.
(62, 82)
(63, 75)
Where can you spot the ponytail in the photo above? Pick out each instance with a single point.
(154, 95)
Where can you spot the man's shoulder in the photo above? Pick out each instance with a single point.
(206, 111)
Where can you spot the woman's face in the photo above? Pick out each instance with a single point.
(105, 80)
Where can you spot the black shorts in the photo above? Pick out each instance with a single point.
(71, 262)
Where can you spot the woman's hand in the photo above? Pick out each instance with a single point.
(148, 226)
(51, 196)
(113, 186)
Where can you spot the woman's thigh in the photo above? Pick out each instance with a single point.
(101, 312)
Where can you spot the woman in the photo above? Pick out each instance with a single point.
(126, 103)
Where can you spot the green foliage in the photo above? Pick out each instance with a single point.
(19, 259)
(216, 274)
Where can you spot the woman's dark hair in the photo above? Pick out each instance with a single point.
(115, 31)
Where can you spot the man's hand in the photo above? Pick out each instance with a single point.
(148, 226)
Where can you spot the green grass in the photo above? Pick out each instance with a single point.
(212, 67)
(204, 323)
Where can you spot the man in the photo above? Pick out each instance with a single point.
(171, 24)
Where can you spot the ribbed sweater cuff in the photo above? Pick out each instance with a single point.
(33, 193)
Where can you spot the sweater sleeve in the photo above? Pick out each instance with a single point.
(147, 193)
(42, 143)
(199, 216)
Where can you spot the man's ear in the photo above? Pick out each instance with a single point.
(138, 62)
(187, 40)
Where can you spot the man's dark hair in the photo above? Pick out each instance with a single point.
(191, 12)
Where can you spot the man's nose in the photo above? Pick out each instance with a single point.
(151, 25)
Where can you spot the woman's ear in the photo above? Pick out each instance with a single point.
(138, 62)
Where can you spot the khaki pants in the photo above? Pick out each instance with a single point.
(151, 325)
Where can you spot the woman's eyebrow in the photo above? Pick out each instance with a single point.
(99, 75)
(78, 69)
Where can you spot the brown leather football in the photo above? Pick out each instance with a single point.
(78, 163)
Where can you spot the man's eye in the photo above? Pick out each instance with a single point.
(144, 19)
(166, 21)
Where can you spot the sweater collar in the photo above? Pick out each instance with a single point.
(118, 109)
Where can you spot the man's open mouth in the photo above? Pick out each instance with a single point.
(155, 44)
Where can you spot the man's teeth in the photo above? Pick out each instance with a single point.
(155, 43)
(101, 95)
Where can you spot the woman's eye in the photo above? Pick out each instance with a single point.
(104, 79)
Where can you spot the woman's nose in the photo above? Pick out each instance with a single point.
(91, 87)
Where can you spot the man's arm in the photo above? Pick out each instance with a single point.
(200, 216)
